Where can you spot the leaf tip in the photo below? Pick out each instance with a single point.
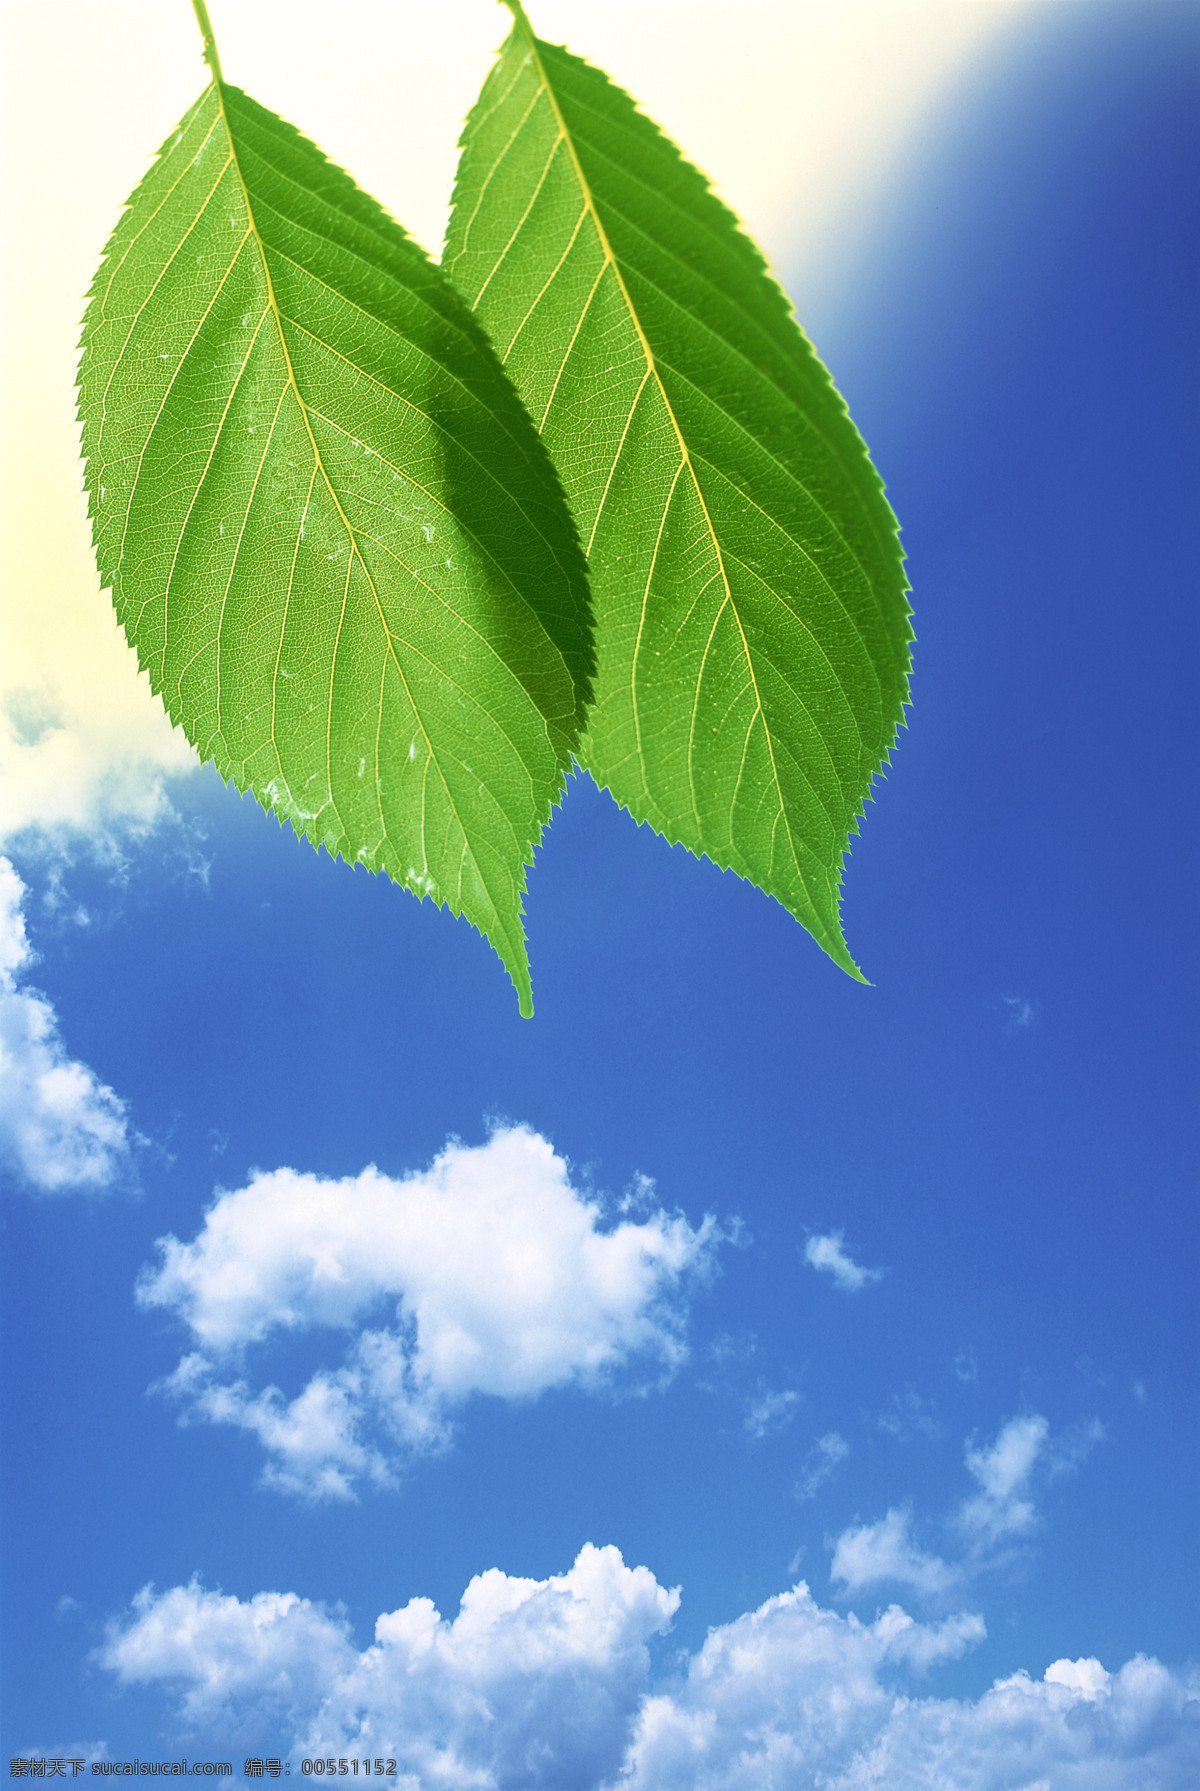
(836, 949)
(518, 975)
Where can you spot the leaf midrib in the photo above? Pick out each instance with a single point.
(610, 261)
(685, 457)
(309, 229)
(273, 308)
(355, 549)
(852, 469)
(606, 247)
(699, 274)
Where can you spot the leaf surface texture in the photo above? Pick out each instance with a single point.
(752, 631)
(331, 531)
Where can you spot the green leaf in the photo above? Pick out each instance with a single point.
(752, 632)
(331, 531)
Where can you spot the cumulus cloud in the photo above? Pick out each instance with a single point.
(820, 1462)
(829, 1254)
(549, 1682)
(1078, 1728)
(61, 1128)
(534, 1681)
(783, 1696)
(884, 1552)
(491, 1272)
(269, 1659)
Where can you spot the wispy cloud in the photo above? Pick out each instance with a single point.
(1008, 1473)
(907, 1417)
(1020, 1011)
(500, 1276)
(1003, 1507)
(62, 1130)
(557, 1671)
(768, 1412)
(1069, 1451)
(826, 1454)
(828, 1253)
(1000, 1515)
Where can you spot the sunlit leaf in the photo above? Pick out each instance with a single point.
(330, 530)
(752, 631)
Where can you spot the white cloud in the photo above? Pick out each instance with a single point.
(534, 1681)
(1076, 1729)
(907, 1417)
(61, 1129)
(820, 1462)
(1069, 1451)
(501, 1277)
(319, 1443)
(549, 1682)
(95, 763)
(272, 1658)
(768, 1412)
(86, 757)
(1022, 1013)
(1001, 1513)
(885, 1553)
(1003, 1506)
(1086, 1678)
(828, 1253)
(783, 1696)
(1023, 1453)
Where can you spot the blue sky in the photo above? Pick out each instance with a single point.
(888, 1290)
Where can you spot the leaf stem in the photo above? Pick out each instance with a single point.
(210, 41)
(519, 14)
